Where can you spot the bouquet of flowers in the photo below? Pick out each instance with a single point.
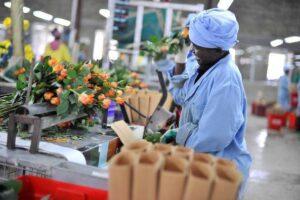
(160, 48)
(72, 88)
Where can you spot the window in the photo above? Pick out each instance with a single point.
(275, 65)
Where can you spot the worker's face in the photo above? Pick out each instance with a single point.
(205, 56)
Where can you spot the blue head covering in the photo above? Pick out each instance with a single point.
(214, 28)
(189, 18)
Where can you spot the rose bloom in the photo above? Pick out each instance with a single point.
(104, 76)
(87, 78)
(114, 84)
(58, 68)
(143, 85)
(64, 73)
(86, 99)
(106, 103)
(110, 93)
(48, 95)
(52, 62)
(59, 91)
(120, 100)
(55, 101)
(128, 89)
(134, 75)
(101, 97)
(119, 93)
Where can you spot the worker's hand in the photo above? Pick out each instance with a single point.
(169, 136)
(164, 65)
(180, 57)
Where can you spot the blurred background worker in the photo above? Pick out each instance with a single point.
(283, 89)
(57, 49)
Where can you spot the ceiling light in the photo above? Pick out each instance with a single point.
(62, 22)
(2, 26)
(42, 15)
(225, 4)
(276, 43)
(104, 12)
(292, 39)
(25, 9)
(7, 4)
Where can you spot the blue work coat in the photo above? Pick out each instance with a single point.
(283, 92)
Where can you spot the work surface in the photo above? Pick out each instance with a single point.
(275, 172)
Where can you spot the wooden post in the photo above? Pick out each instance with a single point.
(17, 29)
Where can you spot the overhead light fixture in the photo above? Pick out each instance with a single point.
(292, 39)
(7, 4)
(25, 9)
(42, 15)
(276, 43)
(2, 26)
(61, 21)
(225, 4)
(105, 13)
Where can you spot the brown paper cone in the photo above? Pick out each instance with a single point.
(183, 152)
(144, 102)
(145, 176)
(204, 158)
(173, 178)
(227, 183)
(199, 182)
(134, 101)
(165, 149)
(138, 146)
(120, 176)
(225, 163)
(154, 100)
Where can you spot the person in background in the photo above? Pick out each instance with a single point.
(213, 100)
(57, 49)
(283, 89)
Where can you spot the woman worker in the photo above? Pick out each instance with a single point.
(213, 100)
(57, 49)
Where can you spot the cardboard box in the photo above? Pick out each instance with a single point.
(120, 176)
(165, 149)
(173, 178)
(204, 158)
(183, 152)
(199, 182)
(145, 176)
(227, 183)
(139, 146)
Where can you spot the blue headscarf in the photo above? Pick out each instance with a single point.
(214, 28)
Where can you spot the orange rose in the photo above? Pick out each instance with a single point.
(164, 49)
(143, 85)
(101, 97)
(64, 73)
(110, 93)
(87, 78)
(185, 32)
(106, 103)
(114, 84)
(86, 99)
(55, 101)
(60, 78)
(48, 95)
(119, 93)
(52, 62)
(120, 100)
(128, 89)
(58, 68)
(64, 125)
(104, 76)
(22, 70)
(134, 75)
(59, 91)
(97, 88)
(69, 87)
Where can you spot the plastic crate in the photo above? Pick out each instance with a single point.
(293, 99)
(292, 121)
(276, 121)
(35, 188)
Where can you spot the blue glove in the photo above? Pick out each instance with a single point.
(164, 65)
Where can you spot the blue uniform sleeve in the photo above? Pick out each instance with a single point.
(176, 86)
(222, 117)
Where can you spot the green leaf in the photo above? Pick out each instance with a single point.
(67, 81)
(72, 99)
(20, 85)
(84, 71)
(38, 76)
(63, 107)
(72, 74)
(65, 94)
(22, 77)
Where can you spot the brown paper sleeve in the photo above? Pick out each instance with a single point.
(183, 152)
(138, 146)
(204, 158)
(199, 182)
(227, 183)
(134, 101)
(165, 149)
(128, 110)
(146, 172)
(173, 178)
(225, 163)
(144, 102)
(120, 176)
